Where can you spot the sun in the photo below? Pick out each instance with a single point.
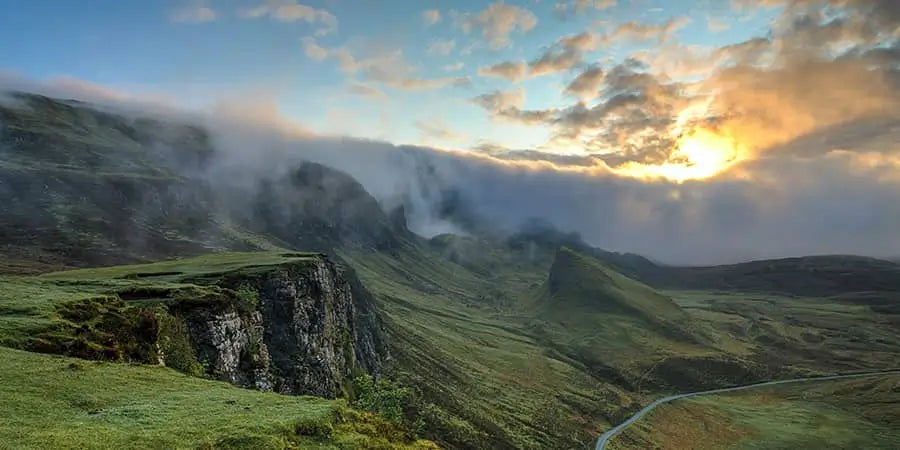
(701, 154)
(707, 150)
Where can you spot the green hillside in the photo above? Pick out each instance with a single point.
(856, 413)
(484, 379)
(620, 327)
(49, 306)
(56, 402)
(581, 282)
(529, 340)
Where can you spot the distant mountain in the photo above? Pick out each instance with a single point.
(82, 186)
(624, 330)
(803, 276)
(579, 281)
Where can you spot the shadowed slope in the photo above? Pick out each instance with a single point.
(623, 330)
(580, 281)
(80, 186)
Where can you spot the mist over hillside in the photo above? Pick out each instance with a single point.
(495, 224)
(791, 205)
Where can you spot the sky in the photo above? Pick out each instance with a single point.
(695, 130)
(405, 71)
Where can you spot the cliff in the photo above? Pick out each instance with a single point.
(301, 333)
(289, 323)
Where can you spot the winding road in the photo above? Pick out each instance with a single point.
(604, 439)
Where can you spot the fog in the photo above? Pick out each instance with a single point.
(834, 190)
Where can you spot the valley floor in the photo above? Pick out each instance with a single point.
(854, 413)
(498, 357)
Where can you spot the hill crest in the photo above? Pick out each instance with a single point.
(581, 281)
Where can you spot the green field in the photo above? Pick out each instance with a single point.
(34, 305)
(544, 353)
(496, 349)
(487, 381)
(857, 413)
(57, 402)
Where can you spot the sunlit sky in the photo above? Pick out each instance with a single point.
(643, 88)
(201, 52)
(696, 130)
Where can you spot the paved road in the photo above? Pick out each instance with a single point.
(603, 440)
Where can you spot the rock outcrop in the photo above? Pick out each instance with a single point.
(305, 333)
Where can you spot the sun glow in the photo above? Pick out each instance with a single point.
(700, 152)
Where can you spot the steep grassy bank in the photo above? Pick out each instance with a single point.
(486, 380)
(577, 338)
(57, 402)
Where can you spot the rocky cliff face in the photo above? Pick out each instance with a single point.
(303, 332)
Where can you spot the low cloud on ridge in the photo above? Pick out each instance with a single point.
(832, 190)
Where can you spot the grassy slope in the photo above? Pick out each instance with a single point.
(600, 316)
(807, 276)
(799, 334)
(56, 402)
(28, 304)
(59, 402)
(858, 413)
(501, 366)
(497, 368)
(491, 382)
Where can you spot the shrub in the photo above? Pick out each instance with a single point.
(175, 344)
(247, 298)
(383, 397)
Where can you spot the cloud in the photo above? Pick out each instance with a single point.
(366, 91)
(585, 41)
(816, 69)
(564, 9)
(597, 4)
(586, 86)
(431, 17)
(419, 84)
(291, 11)
(506, 106)
(66, 87)
(793, 207)
(347, 62)
(833, 190)
(636, 31)
(435, 130)
(563, 55)
(457, 66)
(194, 14)
(497, 22)
(553, 61)
(716, 24)
(510, 70)
(500, 100)
(392, 70)
(441, 46)
(386, 67)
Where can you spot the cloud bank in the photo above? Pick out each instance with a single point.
(805, 121)
(832, 191)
